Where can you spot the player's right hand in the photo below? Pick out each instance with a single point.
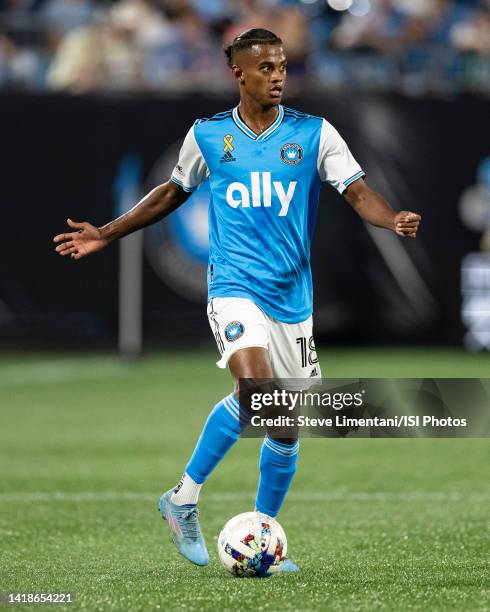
(407, 224)
(84, 240)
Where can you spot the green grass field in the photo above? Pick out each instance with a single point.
(88, 444)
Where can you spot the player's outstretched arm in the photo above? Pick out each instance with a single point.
(374, 209)
(86, 238)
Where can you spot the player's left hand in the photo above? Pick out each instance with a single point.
(407, 223)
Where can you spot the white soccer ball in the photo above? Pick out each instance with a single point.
(252, 544)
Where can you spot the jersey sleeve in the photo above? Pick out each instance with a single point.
(191, 169)
(336, 164)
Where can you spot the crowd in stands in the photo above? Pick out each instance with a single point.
(417, 46)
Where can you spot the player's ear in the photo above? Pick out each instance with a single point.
(238, 73)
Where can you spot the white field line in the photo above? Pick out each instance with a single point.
(381, 496)
(58, 371)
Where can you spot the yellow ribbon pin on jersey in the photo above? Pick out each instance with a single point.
(228, 139)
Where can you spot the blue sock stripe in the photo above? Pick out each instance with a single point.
(282, 453)
(277, 468)
(230, 404)
(280, 448)
(281, 445)
(233, 400)
(221, 430)
(231, 409)
(231, 413)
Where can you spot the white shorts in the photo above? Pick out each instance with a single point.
(239, 323)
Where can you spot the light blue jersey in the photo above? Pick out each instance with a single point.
(264, 199)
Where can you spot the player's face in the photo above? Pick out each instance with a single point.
(261, 72)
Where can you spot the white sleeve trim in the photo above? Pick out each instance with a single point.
(191, 170)
(336, 165)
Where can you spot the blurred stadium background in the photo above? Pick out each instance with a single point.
(416, 46)
(95, 98)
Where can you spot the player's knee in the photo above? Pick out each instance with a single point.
(253, 362)
(258, 371)
(257, 383)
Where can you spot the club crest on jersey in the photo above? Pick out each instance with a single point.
(234, 330)
(227, 149)
(291, 153)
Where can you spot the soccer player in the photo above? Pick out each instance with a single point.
(265, 164)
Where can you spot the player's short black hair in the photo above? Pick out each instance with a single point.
(249, 38)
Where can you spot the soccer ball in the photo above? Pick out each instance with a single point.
(252, 544)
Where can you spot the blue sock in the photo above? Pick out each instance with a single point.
(221, 430)
(277, 468)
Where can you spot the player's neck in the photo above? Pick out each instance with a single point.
(257, 117)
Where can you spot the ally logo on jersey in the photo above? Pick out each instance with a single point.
(259, 191)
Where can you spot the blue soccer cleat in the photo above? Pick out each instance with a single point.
(186, 531)
(288, 566)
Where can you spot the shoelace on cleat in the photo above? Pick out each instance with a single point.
(189, 524)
